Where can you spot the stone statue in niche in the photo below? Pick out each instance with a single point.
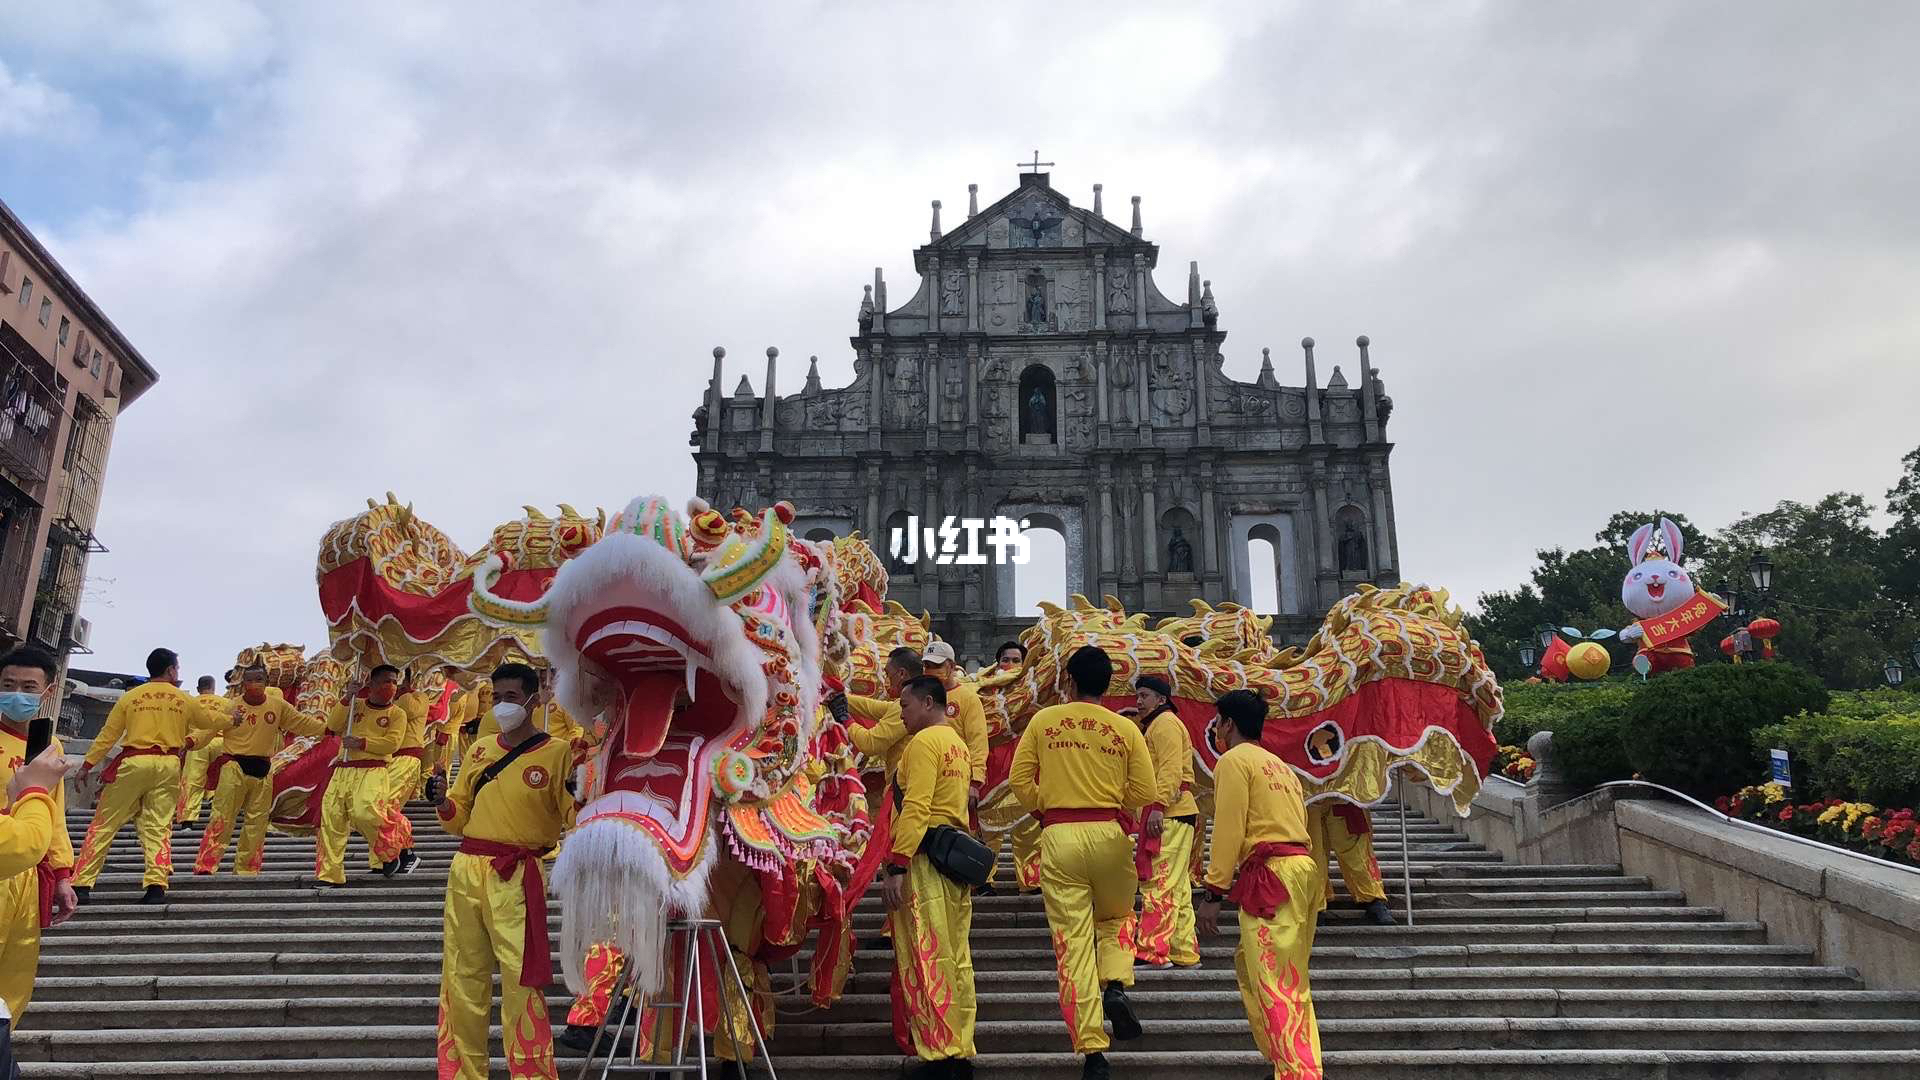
(1179, 554)
(1353, 550)
(953, 287)
(906, 390)
(1119, 287)
(1036, 299)
(1039, 411)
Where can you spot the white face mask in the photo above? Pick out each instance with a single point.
(509, 716)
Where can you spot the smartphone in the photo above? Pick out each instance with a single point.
(39, 736)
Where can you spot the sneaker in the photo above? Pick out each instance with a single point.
(941, 1069)
(577, 1038)
(155, 894)
(1095, 1068)
(731, 1070)
(389, 869)
(1378, 914)
(985, 890)
(1126, 1025)
(83, 893)
(409, 862)
(962, 1068)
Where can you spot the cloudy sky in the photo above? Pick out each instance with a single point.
(477, 254)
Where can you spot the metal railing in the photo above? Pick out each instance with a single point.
(1822, 845)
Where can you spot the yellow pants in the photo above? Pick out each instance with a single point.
(403, 780)
(355, 801)
(1087, 881)
(1166, 931)
(19, 941)
(1326, 833)
(1026, 855)
(238, 794)
(147, 790)
(193, 784)
(484, 930)
(934, 962)
(1271, 966)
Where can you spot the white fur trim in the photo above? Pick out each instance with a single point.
(614, 887)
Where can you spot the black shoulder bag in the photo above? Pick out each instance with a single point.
(954, 852)
(527, 745)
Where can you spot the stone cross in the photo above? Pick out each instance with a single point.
(1036, 164)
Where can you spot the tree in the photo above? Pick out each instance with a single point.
(1900, 550)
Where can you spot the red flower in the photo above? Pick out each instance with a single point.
(1786, 813)
(1723, 804)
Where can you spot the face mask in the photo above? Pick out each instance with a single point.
(255, 695)
(509, 716)
(380, 697)
(1214, 738)
(18, 705)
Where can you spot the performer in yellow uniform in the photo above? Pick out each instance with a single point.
(370, 731)
(931, 913)
(1342, 829)
(964, 713)
(509, 806)
(154, 723)
(443, 723)
(196, 771)
(1166, 935)
(259, 724)
(1261, 861)
(1078, 766)
(405, 772)
(25, 675)
(884, 734)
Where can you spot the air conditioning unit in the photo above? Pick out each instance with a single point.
(82, 631)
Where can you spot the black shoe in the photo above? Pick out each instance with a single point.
(962, 1068)
(330, 886)
(1378, 914)
(1126, 1026)
(1095, 1068)
(83, 893)
(155, 894)
(941, 1069)
(577, 1038)
(389, 869)
(731, 1070)
(985, 890)
(877, 943)
(409, 862)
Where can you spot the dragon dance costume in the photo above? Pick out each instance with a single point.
(1342, 830)
(932, 989)
(30, 864)
(1067, 771)
(1261, 861)
(243, 789)
(155, 723)
(496, 908)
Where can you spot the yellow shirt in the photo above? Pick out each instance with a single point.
(218, 707)
(934, 778)
(13, 754)
(1172, 751)
(383, 728)
(1082, 756)
(967, 716)
(261, 730)
(154, 715)
(1256, 800)
(886, 737)
(527, 805)
(26, 833)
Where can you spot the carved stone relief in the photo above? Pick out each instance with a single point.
(1172, 387)
(1119, 287)
(953, 287)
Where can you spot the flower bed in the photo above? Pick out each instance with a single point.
(1885, 833)
(1513, 763)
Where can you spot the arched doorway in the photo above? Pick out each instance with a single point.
(1039, 405)
(1263, 578)
(1044, 575)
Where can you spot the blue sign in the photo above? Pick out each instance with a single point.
(1782, 770)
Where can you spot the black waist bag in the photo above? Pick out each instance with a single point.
(252, 765)
(958, 855)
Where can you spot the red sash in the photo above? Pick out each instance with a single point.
(113, 767)
(1257, 890)
(363, 763)
(536, 953)
(414, 752)
(1149, 846)
(1354, 818)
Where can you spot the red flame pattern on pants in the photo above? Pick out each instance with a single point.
(933, 964)
(1271, 968)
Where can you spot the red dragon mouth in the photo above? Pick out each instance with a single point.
(674, 711)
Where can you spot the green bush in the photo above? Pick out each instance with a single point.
(1584, 719)
(1864, 748)
(1694, 730)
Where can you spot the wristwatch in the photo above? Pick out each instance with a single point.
(894, 870)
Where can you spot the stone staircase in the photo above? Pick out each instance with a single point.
(1510, 972)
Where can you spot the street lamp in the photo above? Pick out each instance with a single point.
(1760, 569)
(1545, 633)
(1894, 675)
(1526, 656)
(1916, 653)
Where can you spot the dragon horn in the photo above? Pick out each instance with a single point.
(742, 562)
(568, 511)
(534, 514)
(497, 609)
(1080, 603)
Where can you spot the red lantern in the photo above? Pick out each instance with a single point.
(1554, 664)
(1726, 644)
(1765, 630)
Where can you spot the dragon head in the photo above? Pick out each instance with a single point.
(698, 641)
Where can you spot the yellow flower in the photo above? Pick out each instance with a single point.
(1830, 815)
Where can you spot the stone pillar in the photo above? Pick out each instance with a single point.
(1315, 432)
(1209, 530)
(1099, 286)
(1369, 409)
(876, 527)
(1100, 384)
(768, 403)
(1326, 576)
(930, 367)
(930, 498)
(1143, 369)
(1149, 523)
(1139, 287)
(973, 394)
(933, 289)
(973, 294)
(1382, 542)
(1105, 523)
(877, 397)
(971, 592)
(715, 406)
(1202, 363)
(879, 302)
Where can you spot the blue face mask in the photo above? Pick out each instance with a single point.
(17, 705)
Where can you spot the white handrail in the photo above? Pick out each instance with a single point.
(1822, 845)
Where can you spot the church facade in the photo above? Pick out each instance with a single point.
(1039, 372)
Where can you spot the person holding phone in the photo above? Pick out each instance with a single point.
(27, 833)
(154, 724)
(29, 754)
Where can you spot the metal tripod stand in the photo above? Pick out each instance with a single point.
(691, 935)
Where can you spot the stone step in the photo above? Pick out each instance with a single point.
(1375, 975)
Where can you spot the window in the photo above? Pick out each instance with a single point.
(26, 290)
(96, 361)
(46, 310)
(65, 327)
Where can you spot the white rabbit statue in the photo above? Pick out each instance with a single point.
(1660, 593)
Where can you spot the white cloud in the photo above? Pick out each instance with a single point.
(478, 254)
(31, 109)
